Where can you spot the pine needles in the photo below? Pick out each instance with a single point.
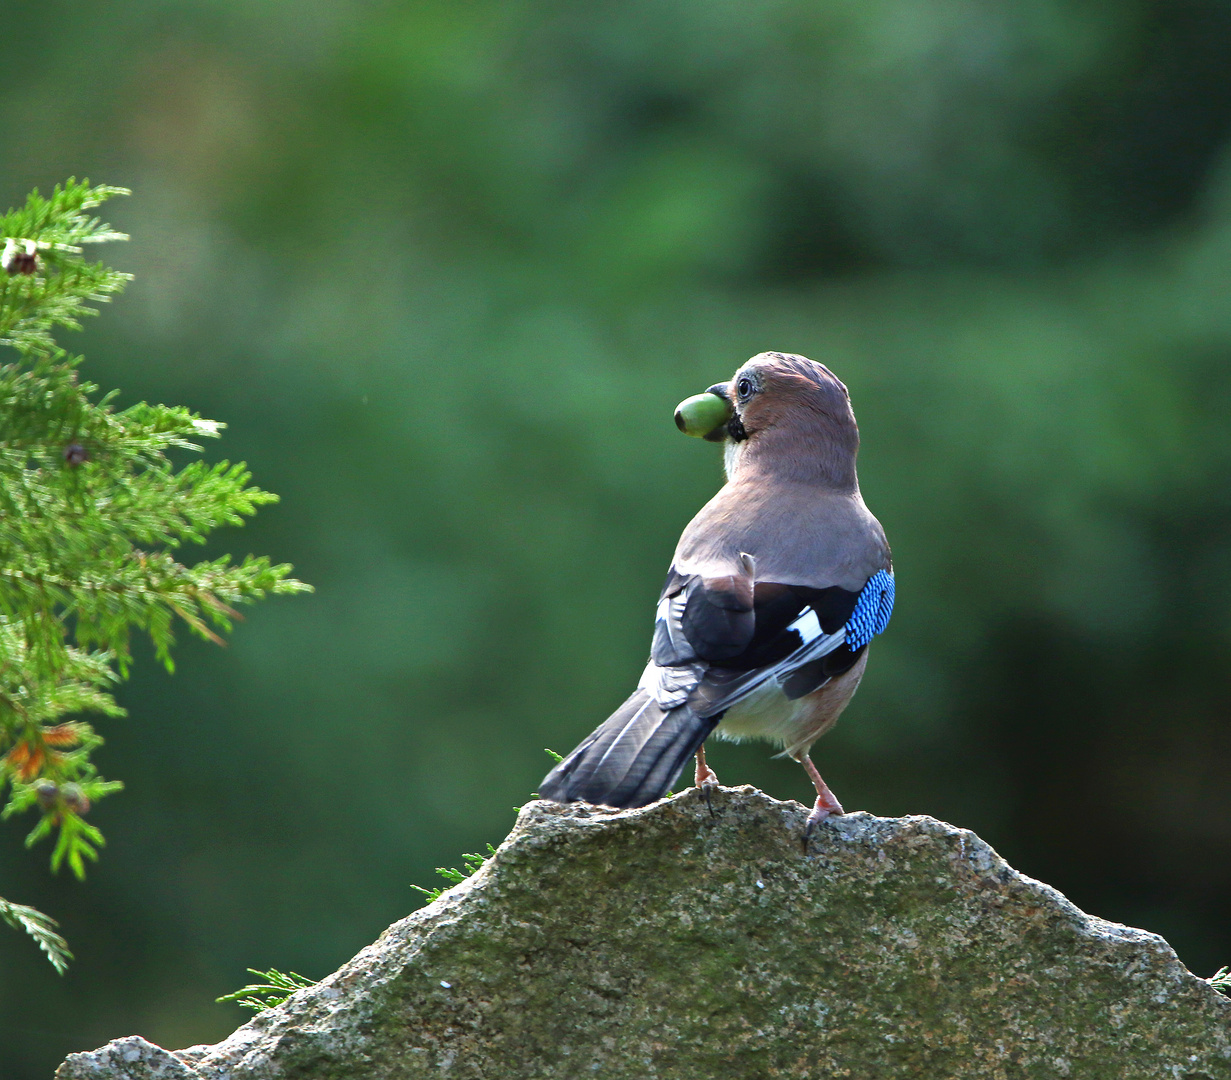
(93, 514)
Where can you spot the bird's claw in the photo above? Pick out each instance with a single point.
(826, 801)
(823, 809)
(705, 779)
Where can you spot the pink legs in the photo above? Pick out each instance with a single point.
(826, 802)
(706, 778)
(705, 775)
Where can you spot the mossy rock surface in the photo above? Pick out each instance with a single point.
(686, 940)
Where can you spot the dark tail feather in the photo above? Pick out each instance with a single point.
(632, 758)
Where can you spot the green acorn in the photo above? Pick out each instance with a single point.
(703, 416)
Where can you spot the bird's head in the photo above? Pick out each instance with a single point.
(790, 411)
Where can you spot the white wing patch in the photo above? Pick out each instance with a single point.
(816, 644)
(807, 626)
(672, 686)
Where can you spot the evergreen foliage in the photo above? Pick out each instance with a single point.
(471, 861)
(468, 261)
(40, 927)
(277, 987)
(93, 511)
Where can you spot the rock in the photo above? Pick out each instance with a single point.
(679, 941)
(131, 1058)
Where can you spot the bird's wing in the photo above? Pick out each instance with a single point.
(717, 639)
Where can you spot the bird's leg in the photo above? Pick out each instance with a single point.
(826, 802)
(706, 777)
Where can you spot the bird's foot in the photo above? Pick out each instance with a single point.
(706, 779)
(822, 809)
(826, 801)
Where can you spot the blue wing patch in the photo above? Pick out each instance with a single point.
(872, 610)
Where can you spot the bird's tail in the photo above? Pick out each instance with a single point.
(632, 758)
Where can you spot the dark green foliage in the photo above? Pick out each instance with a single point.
(92, 511)
(277, 987)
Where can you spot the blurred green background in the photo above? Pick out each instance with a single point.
(445, 270)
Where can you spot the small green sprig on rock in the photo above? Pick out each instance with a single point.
(277, 987)
(92, 516)
(472, 861)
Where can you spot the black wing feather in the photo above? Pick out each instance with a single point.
(714, 639)
(632, 758)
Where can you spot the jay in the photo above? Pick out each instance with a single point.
(776, 588)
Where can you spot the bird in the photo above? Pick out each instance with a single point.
(775, 591)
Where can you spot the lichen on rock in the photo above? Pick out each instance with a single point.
(693, 939)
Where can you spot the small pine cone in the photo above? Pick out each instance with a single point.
(75, 453)
(19, 256)
(74, 799)
(47, 793)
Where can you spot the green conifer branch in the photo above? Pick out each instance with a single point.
(92, 512)
(277, 987)
(472, 863)
(40, 927)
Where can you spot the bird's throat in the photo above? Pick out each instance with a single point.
(732, 453)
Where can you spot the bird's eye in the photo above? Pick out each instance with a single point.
(744, 388)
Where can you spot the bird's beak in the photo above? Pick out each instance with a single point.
(705, 415)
